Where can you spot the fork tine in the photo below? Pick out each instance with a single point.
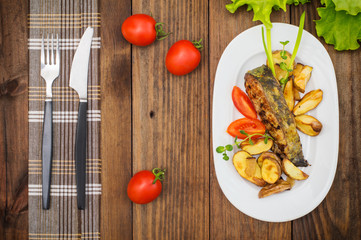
(42, 55)
(57, 50)
(52, 49)
(47, 50)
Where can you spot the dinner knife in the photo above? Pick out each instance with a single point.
(79, 82)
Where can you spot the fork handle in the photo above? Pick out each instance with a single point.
(47, 152)
(80, 154)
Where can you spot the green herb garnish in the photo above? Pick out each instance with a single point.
(268, 49)
(298, 40)
(283, 52)
(283, 65)
(224, 149)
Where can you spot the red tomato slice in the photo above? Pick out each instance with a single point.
(243, 103)
(250, 126)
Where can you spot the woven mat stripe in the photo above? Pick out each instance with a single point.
(63, 220)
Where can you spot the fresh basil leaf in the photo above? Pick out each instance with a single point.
(229, 147)
(243, 132)
(283, 66)
(283, 81)
(284, 43)
(220, 149)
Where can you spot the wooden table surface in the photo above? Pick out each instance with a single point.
(151, 118)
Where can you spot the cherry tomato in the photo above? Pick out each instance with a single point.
(145, 186)
(142, 30)
(250, 126)
(183, 57)
(243, 103)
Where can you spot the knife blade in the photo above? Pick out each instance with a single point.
(79, 82)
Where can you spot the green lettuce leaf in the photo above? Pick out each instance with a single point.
(261, 8)
(296, 2)
(352, 7)
(338, 28)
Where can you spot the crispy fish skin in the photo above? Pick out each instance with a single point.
(266, 95)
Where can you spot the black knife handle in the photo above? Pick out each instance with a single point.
(80, 153)
(47, 152)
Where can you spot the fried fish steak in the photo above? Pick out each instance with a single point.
(266, 95)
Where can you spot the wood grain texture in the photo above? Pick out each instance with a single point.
(151, 118)
(116, 209)
(13, 120)
(338, 216)
(171, 126)
(227, 222)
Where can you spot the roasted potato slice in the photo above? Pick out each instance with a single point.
(277, 59)
(271, 170)
(297, 69)
(258, 146)
(296, 94)
(278, 187)
(302, 78)
(291, 181)
(308, 102)
(308, 125)
(292, 171)
(251, 165)
(288, 93)
(248, 168)
(265, 155)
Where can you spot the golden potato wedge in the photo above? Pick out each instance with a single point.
(292, 171)
(288, 93)
(258, 146)
(296, 94)
(308, 102)
(277, 59)
(247, 167)
(278, 187)
(302, 78)
(267, 155)
(271, 170)
(290, 181)
(297, 69)
(251, 165)
(308, 125)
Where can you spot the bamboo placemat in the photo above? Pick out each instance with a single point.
(63, 220)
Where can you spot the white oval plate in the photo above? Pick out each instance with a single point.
(244, 53)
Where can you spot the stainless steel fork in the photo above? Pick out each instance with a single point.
(50, 66)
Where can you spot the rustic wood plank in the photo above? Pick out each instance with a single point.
(116, 210)
(170, 126)
(227, 222)
(338, 216)
(13, 120)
